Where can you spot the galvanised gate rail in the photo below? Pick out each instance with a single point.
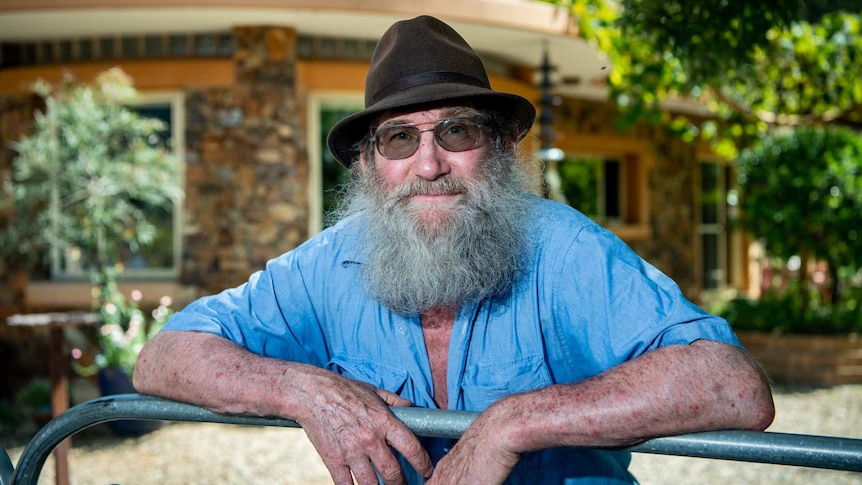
(751, 446)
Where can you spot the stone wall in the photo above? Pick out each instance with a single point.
(671, 189)
(16, 117)
(246, 165)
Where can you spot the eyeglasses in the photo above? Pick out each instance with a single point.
(396, 142)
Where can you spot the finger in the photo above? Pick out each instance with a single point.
(340, 475)
(364, 473)
(387, 466)
(402, 439)
(392, 399)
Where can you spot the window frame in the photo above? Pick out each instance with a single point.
(636, 159)
(726, 238)
(316, 102)
(622, 189)
(176, 101)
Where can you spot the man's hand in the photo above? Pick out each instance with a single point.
(482, 455)
(351, 426)
(349, 422)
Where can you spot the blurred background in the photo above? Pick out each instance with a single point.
(154, 152)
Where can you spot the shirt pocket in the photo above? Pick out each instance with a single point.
(383, 376)
(485, 382)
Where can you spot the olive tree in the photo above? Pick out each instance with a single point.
(88, 174)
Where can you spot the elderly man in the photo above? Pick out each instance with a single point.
(446, 285)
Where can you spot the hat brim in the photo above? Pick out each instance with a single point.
(347, 133)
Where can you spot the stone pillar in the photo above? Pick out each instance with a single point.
(247, 168)
(16, 121)
(673, 211)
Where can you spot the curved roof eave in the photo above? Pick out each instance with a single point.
(516, 30)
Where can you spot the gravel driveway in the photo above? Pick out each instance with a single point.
(191, 453)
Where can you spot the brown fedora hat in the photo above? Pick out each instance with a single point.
(417, 62)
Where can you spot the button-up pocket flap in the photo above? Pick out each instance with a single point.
(486, 382)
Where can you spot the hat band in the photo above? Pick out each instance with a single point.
(427, 78)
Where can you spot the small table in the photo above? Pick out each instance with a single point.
(58, 365)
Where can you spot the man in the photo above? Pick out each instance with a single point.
(446, 285)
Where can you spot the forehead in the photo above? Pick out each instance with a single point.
(423, 115)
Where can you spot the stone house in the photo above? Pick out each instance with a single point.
(249, 89)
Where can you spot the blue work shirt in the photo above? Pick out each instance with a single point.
(584, 303)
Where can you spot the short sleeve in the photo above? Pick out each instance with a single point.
(271, 314)
(612, 306)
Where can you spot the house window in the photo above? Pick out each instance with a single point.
(161, 258)
(595, 186)
(326, 173)
(712, 227)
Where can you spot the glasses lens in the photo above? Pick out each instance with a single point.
(459, 134)
(397, 142)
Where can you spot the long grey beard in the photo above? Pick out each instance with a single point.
(475, 253)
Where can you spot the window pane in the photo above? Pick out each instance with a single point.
(157, 258)
(595, 186)
(159, 254)
(579, 182)
(713, 276)
(333, 174)
(612, 197)
(711, 194)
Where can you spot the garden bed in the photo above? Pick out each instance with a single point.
(807, 359)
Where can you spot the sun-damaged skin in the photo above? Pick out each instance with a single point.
(348, 422)
(673, 390)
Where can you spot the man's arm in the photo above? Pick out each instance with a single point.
(673, 390)
(348, 422)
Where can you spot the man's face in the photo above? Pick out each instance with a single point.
(439, 227)
(432, 181)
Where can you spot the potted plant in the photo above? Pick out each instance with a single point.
(35, 398)
(122, 333)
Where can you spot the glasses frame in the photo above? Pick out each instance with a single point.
(480, 141)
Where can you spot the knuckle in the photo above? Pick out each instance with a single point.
(412, 448)
(390, 473)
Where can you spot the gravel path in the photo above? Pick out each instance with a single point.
(191, 453)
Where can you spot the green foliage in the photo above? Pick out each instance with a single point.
(35, 395)
(11, 415)
(124, 328)
(802, 195)
(88, 174)
(755, 65)
(579, 180)
(787, 312)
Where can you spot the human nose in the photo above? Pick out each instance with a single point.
(431, 162)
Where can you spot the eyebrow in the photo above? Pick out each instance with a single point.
(450, 112)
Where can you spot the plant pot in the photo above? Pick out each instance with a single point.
(114, 381)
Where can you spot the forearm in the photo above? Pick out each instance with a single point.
(210, 371)
(673, 390)
(349, 422)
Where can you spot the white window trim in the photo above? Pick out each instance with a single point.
(316, 102)
(718, 229)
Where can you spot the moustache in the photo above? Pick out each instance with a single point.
(443, 186)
